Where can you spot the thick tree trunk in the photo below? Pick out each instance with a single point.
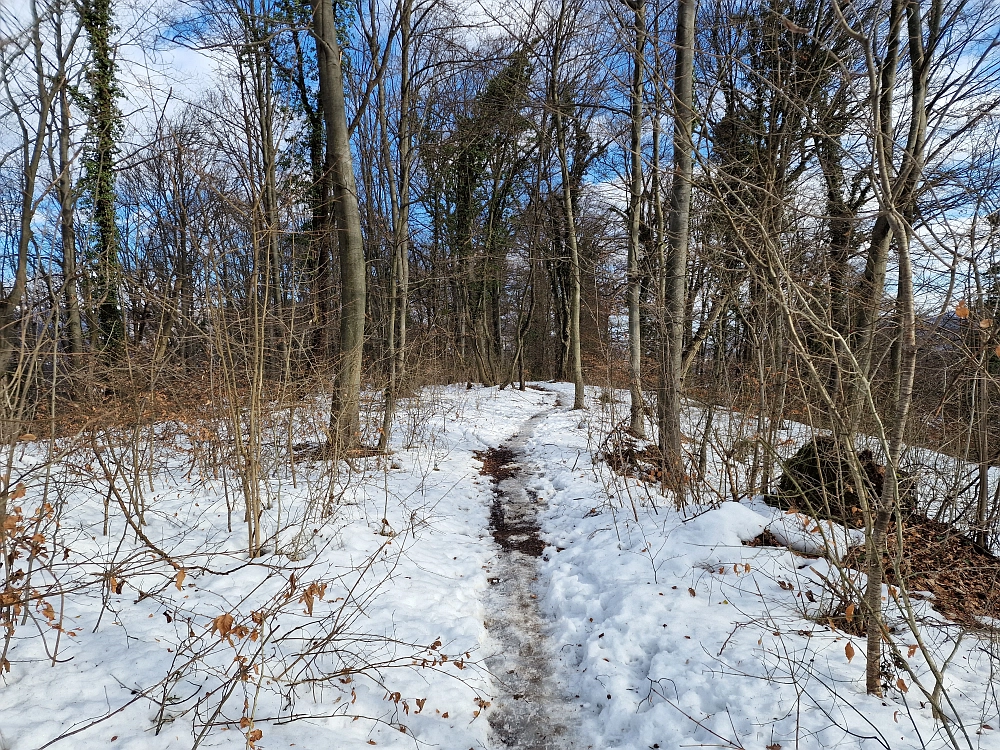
(344, 416)
(675, 267)
(105, 122)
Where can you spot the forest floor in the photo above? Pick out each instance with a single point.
(493, 583)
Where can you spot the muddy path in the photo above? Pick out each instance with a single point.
(533, 710)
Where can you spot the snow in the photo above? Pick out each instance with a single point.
(666, 630)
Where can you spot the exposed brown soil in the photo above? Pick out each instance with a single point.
(763, 539)
(497, 463)
(521, 535)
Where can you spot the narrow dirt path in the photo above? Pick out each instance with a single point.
(533, 711)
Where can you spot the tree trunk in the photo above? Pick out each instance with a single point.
(67, 231)
(637, 422)
(400, 200)
(344, 415)
(105, 124)
(899, 197)
(675, 268)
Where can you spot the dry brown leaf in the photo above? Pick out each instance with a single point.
(911, 650)
(962, 310)
(19, 491)
(987, 323)
(223, 625)
(179, 579)
(849, 651)
(691, 591)
(849, 612)
(901, 685)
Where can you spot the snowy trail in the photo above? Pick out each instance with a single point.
(533, 710)
(604, 617)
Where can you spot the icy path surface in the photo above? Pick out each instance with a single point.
(533, 708)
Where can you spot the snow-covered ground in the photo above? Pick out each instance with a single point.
(365, 622)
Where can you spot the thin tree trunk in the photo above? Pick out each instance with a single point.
(576, 366)
(575, 363)
(637, 422)
(873, 281)
(900, 195)
(67, 230)
(400, 200)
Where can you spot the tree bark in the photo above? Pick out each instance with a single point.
(674, 272)
(105, 123)
(898, 198)
(400, 200)
(345, 410)
(637, 422)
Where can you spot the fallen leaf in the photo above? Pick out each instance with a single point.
(911, 650)
(691, 591)
(849, 651)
